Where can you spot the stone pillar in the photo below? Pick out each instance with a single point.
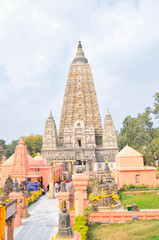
(70, 167)
(51, 181)
(74, 167)
(64, 166)
(18, 196)
(80, 181)
(87, 166)
(24, 210)
(71, 196)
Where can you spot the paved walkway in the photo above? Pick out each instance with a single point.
(42, 223)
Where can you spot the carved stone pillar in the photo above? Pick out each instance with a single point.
(87, 166)
(24, 210)
(74, 167)
(51, 181)
(80, 181)
(70, 166)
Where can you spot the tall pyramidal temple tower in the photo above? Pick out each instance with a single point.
(50, 134)
(109, 133)
(81, 139)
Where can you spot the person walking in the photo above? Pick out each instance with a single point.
(56, 187)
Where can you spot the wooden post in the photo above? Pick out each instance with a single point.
(51, 181)
(10, 231)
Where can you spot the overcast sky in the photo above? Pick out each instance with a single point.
(38, 41)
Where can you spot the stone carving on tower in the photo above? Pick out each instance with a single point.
(109, 133)
(81, 139)
(50, 134)
(80, 118)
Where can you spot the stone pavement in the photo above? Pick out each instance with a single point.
(42, 223)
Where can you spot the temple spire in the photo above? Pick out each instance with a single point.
(50, 134)
(20, 166)
(79, 44)
(109, 133)
(21, 142)
(80, 57)
(80, 107)
(50, 116)
(80, 52)
(108, 113)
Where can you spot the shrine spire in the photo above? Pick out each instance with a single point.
(80, 57)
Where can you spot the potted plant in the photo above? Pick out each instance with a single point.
(129, 207)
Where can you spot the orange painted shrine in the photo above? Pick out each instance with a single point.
(130, 169)
(22, 166)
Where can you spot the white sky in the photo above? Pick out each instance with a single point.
(38, 41)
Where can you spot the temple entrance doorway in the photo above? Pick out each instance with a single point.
(80, 166)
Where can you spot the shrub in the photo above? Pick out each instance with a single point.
(133, 186)
(89, 190)
(124, 187)
(80, 226)
(87, 212)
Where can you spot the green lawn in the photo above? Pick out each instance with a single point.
(132, 230)
(143, 200)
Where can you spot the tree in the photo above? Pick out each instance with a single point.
(135, 131)
(2, 148)
(33, 144)
(156, 105)
(138, 132)
(10, 148)
(7, 153)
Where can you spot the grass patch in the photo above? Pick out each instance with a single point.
(132, 230)
(145, 200)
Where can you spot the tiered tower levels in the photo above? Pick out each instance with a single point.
(80, 100)
(80, 138)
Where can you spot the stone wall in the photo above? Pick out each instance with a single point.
(119, 216)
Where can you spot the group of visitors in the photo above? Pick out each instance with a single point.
(57, 186)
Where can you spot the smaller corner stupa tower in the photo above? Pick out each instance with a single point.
(20, 167)
(50, 135)
(109, 133)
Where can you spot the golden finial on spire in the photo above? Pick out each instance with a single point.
(79, 44)
(63, 206)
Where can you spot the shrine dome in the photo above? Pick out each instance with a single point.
(128, 152)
